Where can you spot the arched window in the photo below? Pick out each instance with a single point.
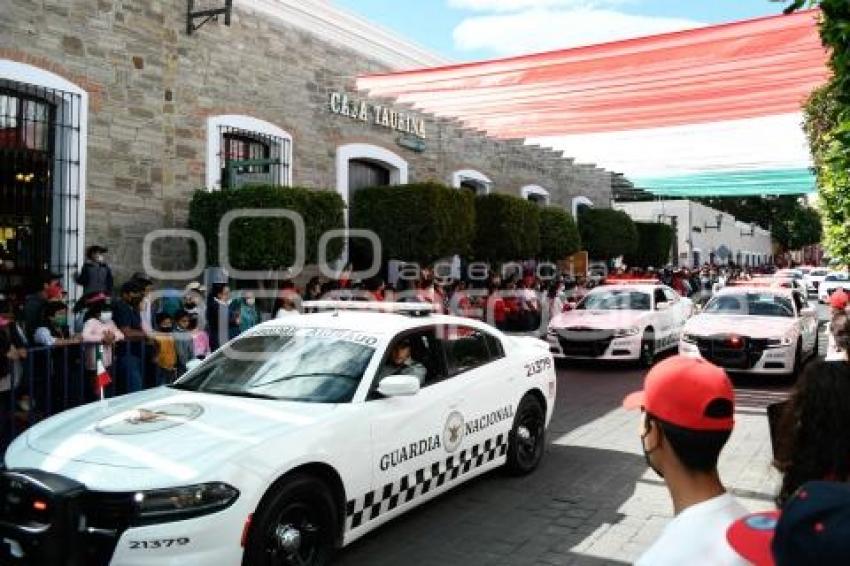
(43, 135)
(471, 180)
(536, 194)
(580, 204)
(243, 150)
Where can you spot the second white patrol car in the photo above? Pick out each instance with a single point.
(297, 437)
(831, 283)
(622, 320)
(754, 329)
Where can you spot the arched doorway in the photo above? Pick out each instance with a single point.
(580, 204)
(359, 166)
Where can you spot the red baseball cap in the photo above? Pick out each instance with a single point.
(684, 391)
(839, 299)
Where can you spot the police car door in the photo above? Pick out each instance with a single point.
(412, 437)
(807, 319)
(664, 316)
(490, 387)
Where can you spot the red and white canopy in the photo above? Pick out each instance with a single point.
(707, 101)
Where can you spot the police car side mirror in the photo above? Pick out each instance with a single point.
(399, 386)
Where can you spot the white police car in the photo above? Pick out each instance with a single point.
(625, 320)
(298, 437)
(765, 329)
(831, 283)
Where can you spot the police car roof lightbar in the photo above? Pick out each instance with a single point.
(631, 282)
(410, 309)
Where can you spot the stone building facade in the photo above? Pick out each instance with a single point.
(136, 114)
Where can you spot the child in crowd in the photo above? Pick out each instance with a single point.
(166, 351)
(183, 341)
(99, 333)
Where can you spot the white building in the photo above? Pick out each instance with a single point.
(705, 234)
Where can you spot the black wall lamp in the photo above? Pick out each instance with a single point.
(197, 18)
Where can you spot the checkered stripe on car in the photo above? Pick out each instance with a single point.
(375, 503)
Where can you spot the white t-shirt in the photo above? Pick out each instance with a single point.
(697, 536)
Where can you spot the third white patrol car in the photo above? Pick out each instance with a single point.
(831, 283)
(754, 329)
(622, 320)
(297, 437)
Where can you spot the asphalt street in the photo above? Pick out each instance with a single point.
(593, 500)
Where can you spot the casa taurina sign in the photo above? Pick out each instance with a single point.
(383, 116)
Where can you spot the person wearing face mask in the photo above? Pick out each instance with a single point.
(35, 303)
(99, 332)
(688, 407)
(95, 275)
(132, 350)
(193, 302)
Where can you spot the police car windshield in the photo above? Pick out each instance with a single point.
(306, 364)
(837, 277)
(752, 304)
(615, 300)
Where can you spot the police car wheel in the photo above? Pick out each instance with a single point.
(647, 349)
(294, 527)
(527, 437)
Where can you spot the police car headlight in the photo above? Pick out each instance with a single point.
(174, 504)
(632, 331)
(783, 342)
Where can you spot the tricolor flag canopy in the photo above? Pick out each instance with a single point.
(711, 111)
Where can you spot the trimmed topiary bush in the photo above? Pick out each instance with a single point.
(607, 233)
(508, 228)
(559, 237)
(419, 222)
(654, 243)
(267, 243)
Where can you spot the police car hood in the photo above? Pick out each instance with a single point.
(749, 326)
(161, 427)
(598, 320)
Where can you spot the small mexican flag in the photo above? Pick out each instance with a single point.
(103, 378)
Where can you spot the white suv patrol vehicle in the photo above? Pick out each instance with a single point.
(296, 438)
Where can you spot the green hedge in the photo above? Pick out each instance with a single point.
(267, 243)
(420, 222)
(559, 237)
(607, 233)
(654, 243)
(508, 228)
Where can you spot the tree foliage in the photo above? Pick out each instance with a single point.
(266, 243)
(655, 241)
(419, 222)
(827, 119)
(607, 233)
(508, 228)
(559, 237)
(782, 215)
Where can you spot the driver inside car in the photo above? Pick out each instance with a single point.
(400, 362)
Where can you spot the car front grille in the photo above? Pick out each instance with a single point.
(54, 520)
(720, 351)
(585, 342)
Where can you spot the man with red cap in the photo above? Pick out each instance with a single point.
(688, 407)
(838, 301)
